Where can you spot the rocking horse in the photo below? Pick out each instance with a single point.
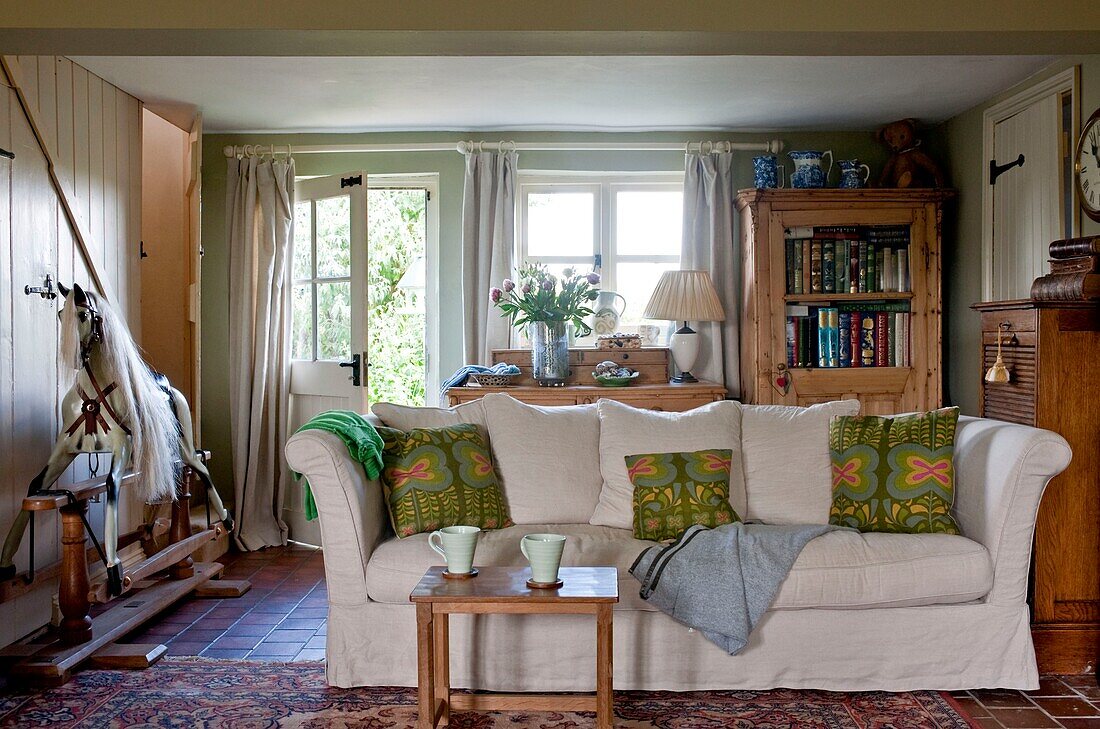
(116, 405)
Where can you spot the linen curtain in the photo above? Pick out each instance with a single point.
(488, 239)
(259, 215)
(708, 244)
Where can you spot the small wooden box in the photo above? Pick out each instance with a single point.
(651, 364)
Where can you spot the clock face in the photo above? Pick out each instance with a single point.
(1087, 166)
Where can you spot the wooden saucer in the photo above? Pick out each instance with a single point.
(544, 585)
(464, 576)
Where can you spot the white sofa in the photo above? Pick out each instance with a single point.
(857, 612)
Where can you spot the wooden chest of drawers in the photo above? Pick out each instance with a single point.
(1052, 352)
(666, 396)
(651, 363)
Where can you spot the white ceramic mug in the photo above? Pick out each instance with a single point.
(543, 551)
(456, 545)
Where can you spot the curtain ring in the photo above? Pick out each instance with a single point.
(512, 148)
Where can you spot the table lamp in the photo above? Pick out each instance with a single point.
(684, 296)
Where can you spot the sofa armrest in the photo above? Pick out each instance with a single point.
(351, 509)
(1001, 470)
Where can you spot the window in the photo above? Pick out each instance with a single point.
(628, 226)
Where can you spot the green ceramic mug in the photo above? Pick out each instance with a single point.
(543, 551)
(456, 545)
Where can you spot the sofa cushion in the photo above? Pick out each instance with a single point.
(548, 459)
(438, 477)
(846, 569)
(407, 417)
(397, 565)
(673, 491)
(627, 431)
(785, 451)
(894, 474)
(843, 569)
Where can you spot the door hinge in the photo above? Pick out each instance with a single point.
(141, 250)
(427, 195)
(351, 181)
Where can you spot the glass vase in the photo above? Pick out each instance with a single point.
(549, 352)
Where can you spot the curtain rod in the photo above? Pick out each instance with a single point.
(772, 146)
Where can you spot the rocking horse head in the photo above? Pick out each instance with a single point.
(96, 344)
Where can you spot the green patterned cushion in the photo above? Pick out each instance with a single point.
(437, 477)
(894, 474)
(673, 491)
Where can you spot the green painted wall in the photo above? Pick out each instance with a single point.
(958, 142)
(450, 166)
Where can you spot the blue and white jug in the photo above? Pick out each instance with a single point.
(850, 177)
(808, 172)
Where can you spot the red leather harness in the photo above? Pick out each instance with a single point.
(92, 409)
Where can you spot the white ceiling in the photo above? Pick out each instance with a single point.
(599, 93)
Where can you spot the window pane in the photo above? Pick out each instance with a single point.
(303, 248)
(560, 223)
(397, 271)
(334, 320)
(648, 222)
(334, 237)
(301, 337)
(636, 282)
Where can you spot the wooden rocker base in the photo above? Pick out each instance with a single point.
(52, 662)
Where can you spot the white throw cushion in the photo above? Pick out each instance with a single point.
(548, 459)
(843, 569)
(407, 417)
(785, 450)
(627, 431)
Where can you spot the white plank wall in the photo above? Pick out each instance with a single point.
(93, 131)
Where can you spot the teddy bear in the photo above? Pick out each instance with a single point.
(908, 166)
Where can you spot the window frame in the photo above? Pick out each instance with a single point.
(605, 186)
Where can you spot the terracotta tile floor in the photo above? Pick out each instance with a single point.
(283, 619)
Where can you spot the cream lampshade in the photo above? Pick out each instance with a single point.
(685, 296)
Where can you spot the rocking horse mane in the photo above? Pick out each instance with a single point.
(155, 441)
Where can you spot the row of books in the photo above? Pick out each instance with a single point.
(849, 335)
(847, 259)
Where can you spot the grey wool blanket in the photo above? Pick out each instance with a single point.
(721, 581)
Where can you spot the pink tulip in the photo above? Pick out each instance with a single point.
(593, 278)
(508, 284)
(495, 295)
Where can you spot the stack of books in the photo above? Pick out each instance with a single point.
(869, 334)
(1074, 271)
(847, 259)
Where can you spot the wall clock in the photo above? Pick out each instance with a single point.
(1086, 167)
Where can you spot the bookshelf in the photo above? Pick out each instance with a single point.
(801, 326)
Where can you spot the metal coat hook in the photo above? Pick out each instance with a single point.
(996, 170)
(6, 153)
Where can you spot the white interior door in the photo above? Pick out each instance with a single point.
(329, 312)
(1028, 210)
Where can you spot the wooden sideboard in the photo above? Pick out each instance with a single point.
(1051, 350)
(666, 396)
(651, 363)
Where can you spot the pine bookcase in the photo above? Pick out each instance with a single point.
(765, 215)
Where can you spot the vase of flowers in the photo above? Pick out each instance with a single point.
(547, 305)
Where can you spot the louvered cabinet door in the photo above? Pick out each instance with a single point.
(1014, 400)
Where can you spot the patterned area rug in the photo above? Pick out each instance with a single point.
(197, 692)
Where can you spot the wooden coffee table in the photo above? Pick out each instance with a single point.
(585, 590)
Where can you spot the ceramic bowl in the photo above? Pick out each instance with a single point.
(612, 381)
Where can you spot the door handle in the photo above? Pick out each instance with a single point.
(356, 369)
